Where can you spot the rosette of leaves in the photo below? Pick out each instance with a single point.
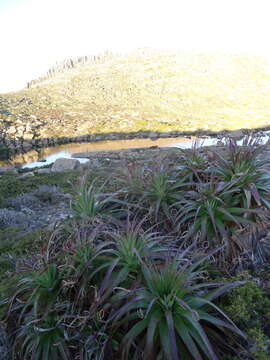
(246, 169)
(91, 203)
(213, 211)
(171, 316)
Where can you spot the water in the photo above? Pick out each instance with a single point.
(32, 158)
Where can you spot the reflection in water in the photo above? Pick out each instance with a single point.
(50, 154)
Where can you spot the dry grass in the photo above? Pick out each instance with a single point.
(153, 92)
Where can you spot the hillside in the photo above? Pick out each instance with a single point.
(151, 91)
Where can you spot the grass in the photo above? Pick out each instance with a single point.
(159, 92)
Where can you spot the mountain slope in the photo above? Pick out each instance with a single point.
(153, 91)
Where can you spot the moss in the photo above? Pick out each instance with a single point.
(248, 306)
(11, 185)
(260, 349)
(4, 152)
(15, 246)
(16, 243)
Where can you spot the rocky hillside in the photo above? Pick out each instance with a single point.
(148, 91)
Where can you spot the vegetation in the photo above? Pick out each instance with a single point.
(152, 91)
(11, 185)
(150, 266)
(4, 152)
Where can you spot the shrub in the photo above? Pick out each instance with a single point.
(249, 307)
(46, 193)
(4, 152)
(20, 201)
(11, 218)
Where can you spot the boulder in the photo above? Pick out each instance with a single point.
(63, 164)
(8, 170)
(94, 163)
(236, 135)
(28, 174)
(43, 171)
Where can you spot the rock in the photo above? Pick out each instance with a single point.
(237, 135)
(43, 171)
(94, 163)
(28, 174)
(8, 170)
(153, 135)
(63, 164)
(84, 155)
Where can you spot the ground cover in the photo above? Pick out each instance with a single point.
(164, 259)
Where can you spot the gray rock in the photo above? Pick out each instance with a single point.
(237, 134)
(83, 155)
(94, 163)
(12, 218)
(63, 164)
(28, 174)
(8, 170)
(20, 201)
(153, 135)
(43, 171)
(27, 146)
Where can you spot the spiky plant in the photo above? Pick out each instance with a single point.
(212, 210)
(132, 180)
(40, 291)
(90, 203)
(194, 165)
(34, 306)
(43, 340)
(90, 262)
(134, 245)
(161, 192)
(170, 315)
(152, 191)
(245, 167)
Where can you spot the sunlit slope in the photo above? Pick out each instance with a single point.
(155, 92)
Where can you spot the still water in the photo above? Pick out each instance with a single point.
(33, 158)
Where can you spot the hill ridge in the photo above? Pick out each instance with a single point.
(144, 91)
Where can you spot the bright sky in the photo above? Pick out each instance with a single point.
(36, 33)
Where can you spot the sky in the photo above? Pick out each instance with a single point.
(37, 33)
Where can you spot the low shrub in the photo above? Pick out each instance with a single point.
(46, 193)
(20, 201)
(4, 152)
(249, 307)
(12, 218)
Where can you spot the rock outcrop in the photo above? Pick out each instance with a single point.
(63, 164)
